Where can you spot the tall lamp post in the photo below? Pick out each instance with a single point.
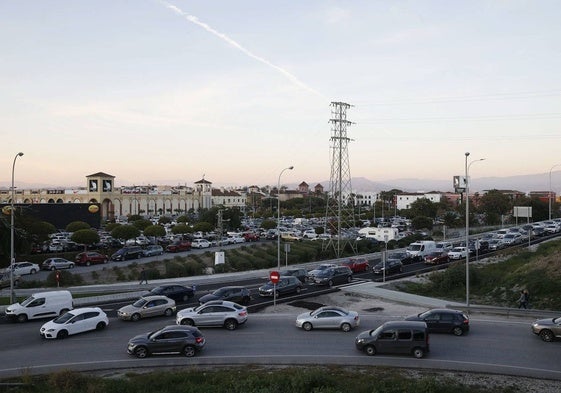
(467, 223)
(278, 215)
(12, 255)
(551, 192)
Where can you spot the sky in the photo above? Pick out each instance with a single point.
(169, 92)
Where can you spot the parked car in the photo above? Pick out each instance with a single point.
(286, 284)
(56, 264)
(91, 258)
(153, 250)
(179, 293)
(457, 253)
(185, 340)
(436, 258)
(312, 273)
(300, 273)
(290, 237)
(5, 281)
(251, 237)
(75, 321)
(395, 337)
(21, 268)
(548, 329)
(328, 317)
(391, 266)
(200, 243)
(147, 306)
(357, 265)
(129, 252)
(443, 321)
(236, 294)
(214, 313)
(334, 275)
(178, 246)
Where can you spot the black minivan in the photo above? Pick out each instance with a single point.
(395, 337)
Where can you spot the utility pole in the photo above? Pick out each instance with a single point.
(340, 207)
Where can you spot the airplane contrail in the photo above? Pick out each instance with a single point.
(224, 37)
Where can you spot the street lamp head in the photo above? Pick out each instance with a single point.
(291, 167)
(467, 153)
(20, 154)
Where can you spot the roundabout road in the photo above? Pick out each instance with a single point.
(501, 347)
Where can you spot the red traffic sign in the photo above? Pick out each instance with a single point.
(274, 276)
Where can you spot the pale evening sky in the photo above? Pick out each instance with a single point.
(166, 91)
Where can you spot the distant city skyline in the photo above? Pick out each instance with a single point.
(165, 91)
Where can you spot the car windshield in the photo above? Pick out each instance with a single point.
(557, 320)
(64, 318)
(424, 314)
(396, 255)
(157, 290)
(27, 301)
(220, 291)
(154, 333)
(139, 303)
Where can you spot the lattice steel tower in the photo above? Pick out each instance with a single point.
(340, 203)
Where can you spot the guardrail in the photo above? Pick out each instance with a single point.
(508, 312)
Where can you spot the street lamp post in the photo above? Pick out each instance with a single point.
(550, 192)
(278, 215)
(467, 223)
(12, 254)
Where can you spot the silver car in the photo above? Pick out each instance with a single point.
(57, 263)
(328, 317)
(147, 306)
(214, 313)
(548, 329)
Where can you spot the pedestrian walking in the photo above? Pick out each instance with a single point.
(143, 277)
(523, 300)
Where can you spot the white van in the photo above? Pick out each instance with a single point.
(41, 305)
(421, 248)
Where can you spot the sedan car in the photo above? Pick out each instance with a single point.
(91, 258)
(152, 250)
(234, 294)
(548, 329)
(76, 321)
(357, 265)
(403, 257)
(391, 266)
(186, 340)
(149, 306)
(179, 246)
(179, 293)
(21, 268)
(200, 243)
(436, 258)
(334, 275)
(57, 263)
(457, 253)
(328, 317)
(443, 321)
(214, 313)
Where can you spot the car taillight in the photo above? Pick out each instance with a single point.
(243, 314)
(466, 321)
(356, 318)
(199, 340)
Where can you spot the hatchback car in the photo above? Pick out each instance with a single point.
(548, 329)
(214, 313)
(443, 321)
(296, 272)
(357, 265)
(328, 317)
(21, 268)
(286, 284)
(178, 246)
(91, 258)
(395, 337)
(148, 306)
(153, 250)
(186, 340)
(57, 263)
(125, 253)
(403, 257)
(334, 275)
(200, 243)
(234, 294)
(76, 321)
(312, 273)
(457, 253)
(391, 266)
(436, 258)
(179, 293)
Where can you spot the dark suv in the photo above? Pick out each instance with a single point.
(234, 294)
(286, 284)
(186, 340)
(443, 321)
(391, 266)
(125, 253)
(334, 275)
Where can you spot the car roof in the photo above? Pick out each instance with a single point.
(153, 297)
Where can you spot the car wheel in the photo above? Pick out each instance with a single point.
(189, 351)
(33, 271)
(71, 266)
(346, 327)
(53, 268)
(22, 318)
(370, 350)
(307, 326)
(62, 335)
(135, 317)
(100, 326)
(231, 324)
(88, 263)
(350, 278)
(168, 312)
(546, 335)
(141, 352)
(330, 283)
(185, 298)
(458, 331)
(418, 353)
(188, 322)
(298, 290)
(105, 260)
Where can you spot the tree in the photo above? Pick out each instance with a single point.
(421, 222)
(180, 229)
(155, 230)
(268, 224)
(125, 232)
(494, 204)
(85, 236)
(203, 227)
(182, 219)
(77, 225)
(423, 207)
(141, 224)
(40, 230)
(164, 220)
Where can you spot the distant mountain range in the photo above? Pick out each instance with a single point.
(523, 183)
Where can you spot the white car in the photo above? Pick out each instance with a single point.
(457, 253)
(200, 243)
(21, 268)
(76, 321)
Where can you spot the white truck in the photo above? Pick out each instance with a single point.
(41, 305)
(380, 234)
(421, 248)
